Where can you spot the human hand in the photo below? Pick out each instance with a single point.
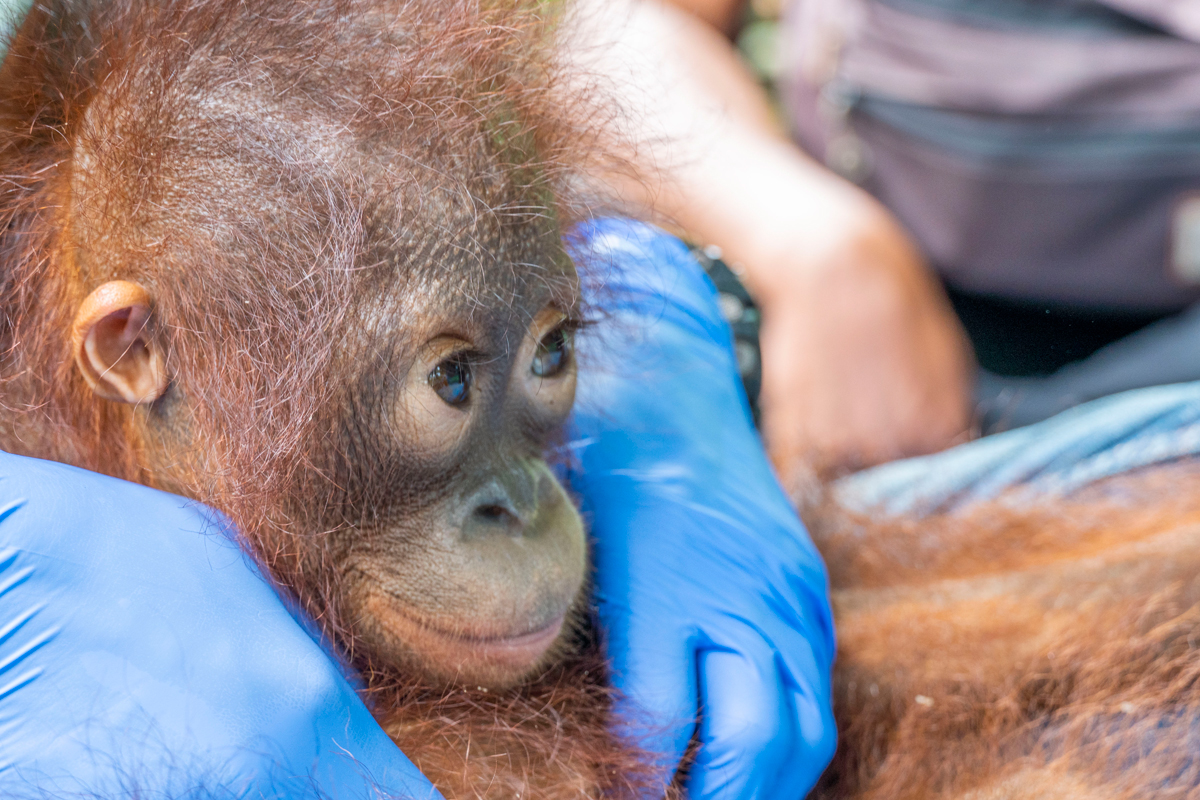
(141, 654)
(710, 593)
(863, 358)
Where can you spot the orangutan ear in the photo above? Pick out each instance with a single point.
(113, 347)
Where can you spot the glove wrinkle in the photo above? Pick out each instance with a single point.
(142, 654)
(689, 523)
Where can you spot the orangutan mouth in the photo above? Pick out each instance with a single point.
(520, 648)
(467, 651)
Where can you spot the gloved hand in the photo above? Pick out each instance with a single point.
(710, 593)
(140, 650)
(141, 654)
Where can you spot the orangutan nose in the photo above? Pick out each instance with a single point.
(524, 501)
(494, 515)
(507, 504)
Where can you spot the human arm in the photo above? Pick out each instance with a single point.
(141, 654)
(863, 358)
(711, 595)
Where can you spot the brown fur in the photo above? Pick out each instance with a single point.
(550, 738)
(1004, 653)
(114, 113)
(999, 654)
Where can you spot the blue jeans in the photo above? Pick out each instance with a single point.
(1100, 439)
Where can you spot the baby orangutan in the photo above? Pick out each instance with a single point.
(303, 262)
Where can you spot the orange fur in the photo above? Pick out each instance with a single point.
(547, 740)
(1003, 653)
(423, 136)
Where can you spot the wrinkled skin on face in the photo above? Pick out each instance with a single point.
(459, 553)
(475, 582)
(311, 272)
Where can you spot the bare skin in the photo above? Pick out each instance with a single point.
(864, 360)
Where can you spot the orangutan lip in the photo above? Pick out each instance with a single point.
(542, 637)
(521, 650)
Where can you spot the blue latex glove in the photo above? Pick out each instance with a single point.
(710, 592)
(142, 655)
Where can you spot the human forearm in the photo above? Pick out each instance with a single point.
(863, 358)
(709, 154)
(711, 158)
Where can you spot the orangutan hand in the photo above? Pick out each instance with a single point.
(863, 358)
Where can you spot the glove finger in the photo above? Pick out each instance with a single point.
(152, 658)
(654, 674)
(761, 734)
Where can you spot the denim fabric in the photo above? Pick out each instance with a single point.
(1061, 455)
(11, 13)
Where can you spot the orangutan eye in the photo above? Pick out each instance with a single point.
(553, 353)
(451, 379)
